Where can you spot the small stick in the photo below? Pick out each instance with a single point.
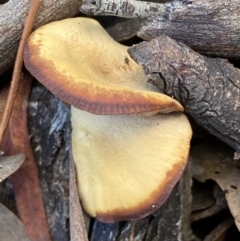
(121, 8)
(17, 75)
(78, 230)
(132, 229)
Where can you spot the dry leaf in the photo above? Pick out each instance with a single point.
(11, 228)
(25, 181)
(9, 164)
(214, 160)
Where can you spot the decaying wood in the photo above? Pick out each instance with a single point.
(12, 18)
(208, 26)
(49, 128)
(208, 88)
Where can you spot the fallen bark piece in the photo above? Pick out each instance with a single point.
(121, 29)
(49, 130)
(213, 160)
(11, 227)
(208, 26)
(121, 8)
(12, 19)
(208, 88)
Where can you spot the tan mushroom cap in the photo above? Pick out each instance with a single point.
(127, 165)
(80, 63)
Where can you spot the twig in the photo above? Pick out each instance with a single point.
(121, 8)
(78, 230)
(35, 4)
(132, 229)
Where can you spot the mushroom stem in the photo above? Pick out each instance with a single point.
(121, 8)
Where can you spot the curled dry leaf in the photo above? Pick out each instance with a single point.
(11, 227)
(9, 164)
(213, 160)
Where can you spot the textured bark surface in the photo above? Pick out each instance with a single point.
(208, 88)
(49, 129)
(169, 223)
(121, 8)
(121, 29)
(12, 19)
(208, 26)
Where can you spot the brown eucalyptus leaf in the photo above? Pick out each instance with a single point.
(25, 180)
(214, 160)
(11, 228)
(9, 164)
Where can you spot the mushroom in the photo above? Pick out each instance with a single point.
(81, 64)
(126, 164)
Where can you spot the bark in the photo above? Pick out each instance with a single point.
(208, 26)
(208, 88)
(12, 18)
(121, 8)
(121, 29)
(49, 129)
